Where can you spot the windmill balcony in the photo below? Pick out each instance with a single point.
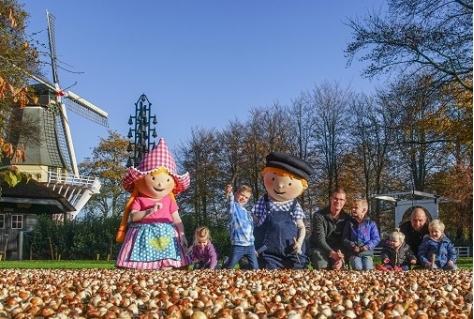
(76, 189)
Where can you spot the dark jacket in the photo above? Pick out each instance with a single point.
(403, 256)
(326, 233)
(364, 234)
(443, 250)
(413, 238)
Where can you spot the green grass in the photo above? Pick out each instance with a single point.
(463, 263)
(61, 264)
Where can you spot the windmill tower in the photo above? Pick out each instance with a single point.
(52, 156)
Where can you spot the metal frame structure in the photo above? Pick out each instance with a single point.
(141, 132)
(406, 200)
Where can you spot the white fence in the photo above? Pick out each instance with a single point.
(463, 251)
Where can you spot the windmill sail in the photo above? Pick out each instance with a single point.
(82, 107)
(52, 151)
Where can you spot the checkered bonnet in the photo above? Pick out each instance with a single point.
(157, 158)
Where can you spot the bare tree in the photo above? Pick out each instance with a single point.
(431, 37)
(268, 130)
(370, 137)
(200, 157)
(303, 119)
(331, 132)
(369, 168)
(232, 141)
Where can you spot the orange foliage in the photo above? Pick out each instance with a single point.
(5, 87)
(12, 19)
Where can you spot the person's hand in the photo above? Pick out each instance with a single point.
(336, 255)
(228, 188)
(296, 246)
(386, 260)
(338, 264)
(450, 263)
(333, 255)
(363, 248)
(356, 249)
(428, 265)
(413, 261)
(184, 241)
(153, 209)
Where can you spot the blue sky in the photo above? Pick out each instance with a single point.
(200, 63)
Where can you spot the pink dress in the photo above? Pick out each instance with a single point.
(153, 242)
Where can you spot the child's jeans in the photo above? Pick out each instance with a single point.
(362, 262)
(445, 267)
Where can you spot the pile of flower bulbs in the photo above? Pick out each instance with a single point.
(128, 293)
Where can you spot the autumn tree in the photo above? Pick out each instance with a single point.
(430, 37)
(455, 183)
(108, 164)
(420, 147)
(17, 57)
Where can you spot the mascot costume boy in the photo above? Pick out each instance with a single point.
(154, 238)
(279, 229)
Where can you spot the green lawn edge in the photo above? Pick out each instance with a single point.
(463, 263)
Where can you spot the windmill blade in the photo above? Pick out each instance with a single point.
(52, 46)
(64, 124)
(42, 81)
(61, 139)
(86, 109)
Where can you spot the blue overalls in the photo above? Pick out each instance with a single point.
(278, 233)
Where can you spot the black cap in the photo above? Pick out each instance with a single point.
(290, 163)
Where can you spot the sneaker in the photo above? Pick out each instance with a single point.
(224, 262)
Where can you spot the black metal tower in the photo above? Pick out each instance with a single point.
(141, 131)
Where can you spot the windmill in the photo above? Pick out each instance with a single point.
(53, 156)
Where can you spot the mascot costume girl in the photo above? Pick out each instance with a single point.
(279, 229)
(154, 238)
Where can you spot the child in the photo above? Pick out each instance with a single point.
(436, 250)
(396, 254)
(240, 227)
(154, 238)
(360, 236)
(202, 253)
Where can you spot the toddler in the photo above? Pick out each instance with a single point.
(202, 253)
(396, 254)
(436, 250)
(360, 236)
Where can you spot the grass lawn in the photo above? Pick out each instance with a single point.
(61, 264)
(463, 263)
